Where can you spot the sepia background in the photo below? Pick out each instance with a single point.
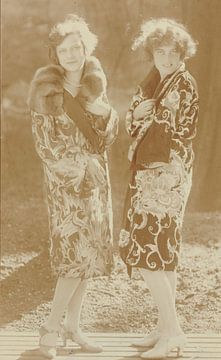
(27, 285)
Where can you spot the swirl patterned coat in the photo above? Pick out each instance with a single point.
(158, 193)
(78, 194)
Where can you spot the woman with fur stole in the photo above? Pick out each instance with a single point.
(73, 124)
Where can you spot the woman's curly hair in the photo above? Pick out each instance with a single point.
(160, 31)
(72, 24)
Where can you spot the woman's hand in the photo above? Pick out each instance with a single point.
(143, 109)
(98, 108)
(95, 173)
(70, 167)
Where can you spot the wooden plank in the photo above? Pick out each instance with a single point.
(111, 353)
(115, 337)
(93, 357)
(129, 335)
(102, 334)
(111, 343)
(123, 347)
(72, 358)
(72, 345)
(106, 340)
(107, 343)
(214, 353)
(117, 346)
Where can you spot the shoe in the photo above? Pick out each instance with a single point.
(164, 346)
(47, 342)
(80, 339)
(147, 341)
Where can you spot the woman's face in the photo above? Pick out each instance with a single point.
(166, 59)
(70, 53)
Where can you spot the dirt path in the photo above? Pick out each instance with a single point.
(119, 304)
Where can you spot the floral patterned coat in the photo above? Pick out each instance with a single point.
(78, 194)
(158, 193)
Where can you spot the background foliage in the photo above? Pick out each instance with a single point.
(27, 284)
(116, 22)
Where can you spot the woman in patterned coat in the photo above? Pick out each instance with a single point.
(73, 124)
(162, 123)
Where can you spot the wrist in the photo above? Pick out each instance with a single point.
(135, 117)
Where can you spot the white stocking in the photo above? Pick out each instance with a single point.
(161, 291)
(65, 288)
(72, 320)
(172, 278)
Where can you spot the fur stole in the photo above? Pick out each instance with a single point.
(46, 89)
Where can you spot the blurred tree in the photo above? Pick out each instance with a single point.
(204, 18)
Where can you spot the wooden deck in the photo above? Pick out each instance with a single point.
(23, 346)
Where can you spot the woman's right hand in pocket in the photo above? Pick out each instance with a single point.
(143, 109)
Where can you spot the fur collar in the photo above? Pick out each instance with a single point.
(46, 89)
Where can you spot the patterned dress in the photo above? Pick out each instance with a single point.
(158, 193)
(78, 194)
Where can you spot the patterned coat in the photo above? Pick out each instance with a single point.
(158, 193)
(78, 195)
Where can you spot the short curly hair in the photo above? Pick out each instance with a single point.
(160, 31)
(71, 24)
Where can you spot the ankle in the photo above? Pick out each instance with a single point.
(51, 327)
(158, 329)
(170, 333)
(155, 332)
(71, 327)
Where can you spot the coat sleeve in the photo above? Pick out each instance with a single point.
(179, 110)
(70, 164)
(108, 136)
(48, 146)
(133, 126)
(187, 114)
(111, 131)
